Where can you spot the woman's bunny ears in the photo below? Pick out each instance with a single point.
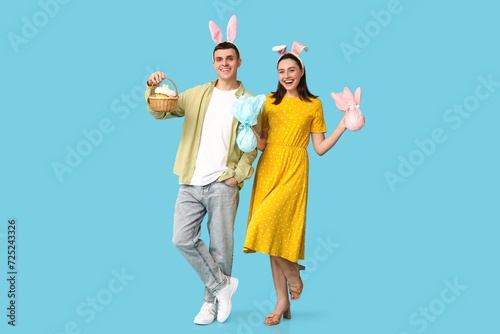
(232, 31)
(296, 49)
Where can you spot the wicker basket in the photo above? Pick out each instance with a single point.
(164, 104)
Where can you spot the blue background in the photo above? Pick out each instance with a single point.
(380, 253)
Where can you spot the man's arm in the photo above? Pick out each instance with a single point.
(244, 169)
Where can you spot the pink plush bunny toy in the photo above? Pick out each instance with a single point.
(348, 103)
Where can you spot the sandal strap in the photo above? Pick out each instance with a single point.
(274, 318)
(273, 315)
(296, 288)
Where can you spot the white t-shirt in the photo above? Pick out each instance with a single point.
(214, 143)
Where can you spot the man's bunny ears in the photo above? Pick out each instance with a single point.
(296, 49)
(232, 30)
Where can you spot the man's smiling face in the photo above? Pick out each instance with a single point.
(226, 64)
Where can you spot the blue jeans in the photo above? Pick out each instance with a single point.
(220, 201)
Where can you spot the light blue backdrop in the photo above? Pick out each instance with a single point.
(402, 234)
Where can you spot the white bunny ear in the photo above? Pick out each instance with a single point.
(281, 49)
(232, 29)
(215, 31)
(298, 47)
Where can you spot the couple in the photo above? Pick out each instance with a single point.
(211, 170)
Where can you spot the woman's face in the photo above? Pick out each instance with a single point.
(289, 74)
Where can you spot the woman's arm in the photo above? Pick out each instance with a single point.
(322, 144)
(261, 140)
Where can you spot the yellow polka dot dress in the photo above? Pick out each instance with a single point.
(277, 218)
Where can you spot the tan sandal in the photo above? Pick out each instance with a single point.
(297, 289)
(274, 318)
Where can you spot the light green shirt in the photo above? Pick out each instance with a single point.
(193, 105)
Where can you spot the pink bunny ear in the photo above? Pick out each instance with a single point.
(298, 47)
(232, 29)
(357, 96)
(340, 101)
(336, 96)
(348, 93)
(281, 49)
(215, 31)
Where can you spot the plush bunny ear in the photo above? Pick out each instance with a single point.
(281, 49)
(348, 93)
(298, 47)
(336, 96)
(357, 96)
(232, 29)
(215, 31)
(340, 101)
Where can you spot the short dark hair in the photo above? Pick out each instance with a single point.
(225, 46)
(304, 93)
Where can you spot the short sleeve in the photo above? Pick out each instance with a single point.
(318, 123)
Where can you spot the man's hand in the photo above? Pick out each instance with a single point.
(231, 181)
(156, 78)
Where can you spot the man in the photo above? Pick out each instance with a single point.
(211, 171)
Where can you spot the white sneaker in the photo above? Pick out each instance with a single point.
(207, 314)
(224, 298)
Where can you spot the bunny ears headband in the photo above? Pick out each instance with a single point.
(296, 49)
(232, 30)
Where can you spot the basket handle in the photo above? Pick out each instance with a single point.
(176, 93)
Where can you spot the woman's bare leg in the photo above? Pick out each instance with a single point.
(290, 271)
(280, 281)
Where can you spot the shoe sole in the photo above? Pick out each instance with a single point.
(234, 284)
(203, 323)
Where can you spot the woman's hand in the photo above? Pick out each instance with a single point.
(261, 140)
(341, 125)
(156, 78)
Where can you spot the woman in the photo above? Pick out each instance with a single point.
(276, 222)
